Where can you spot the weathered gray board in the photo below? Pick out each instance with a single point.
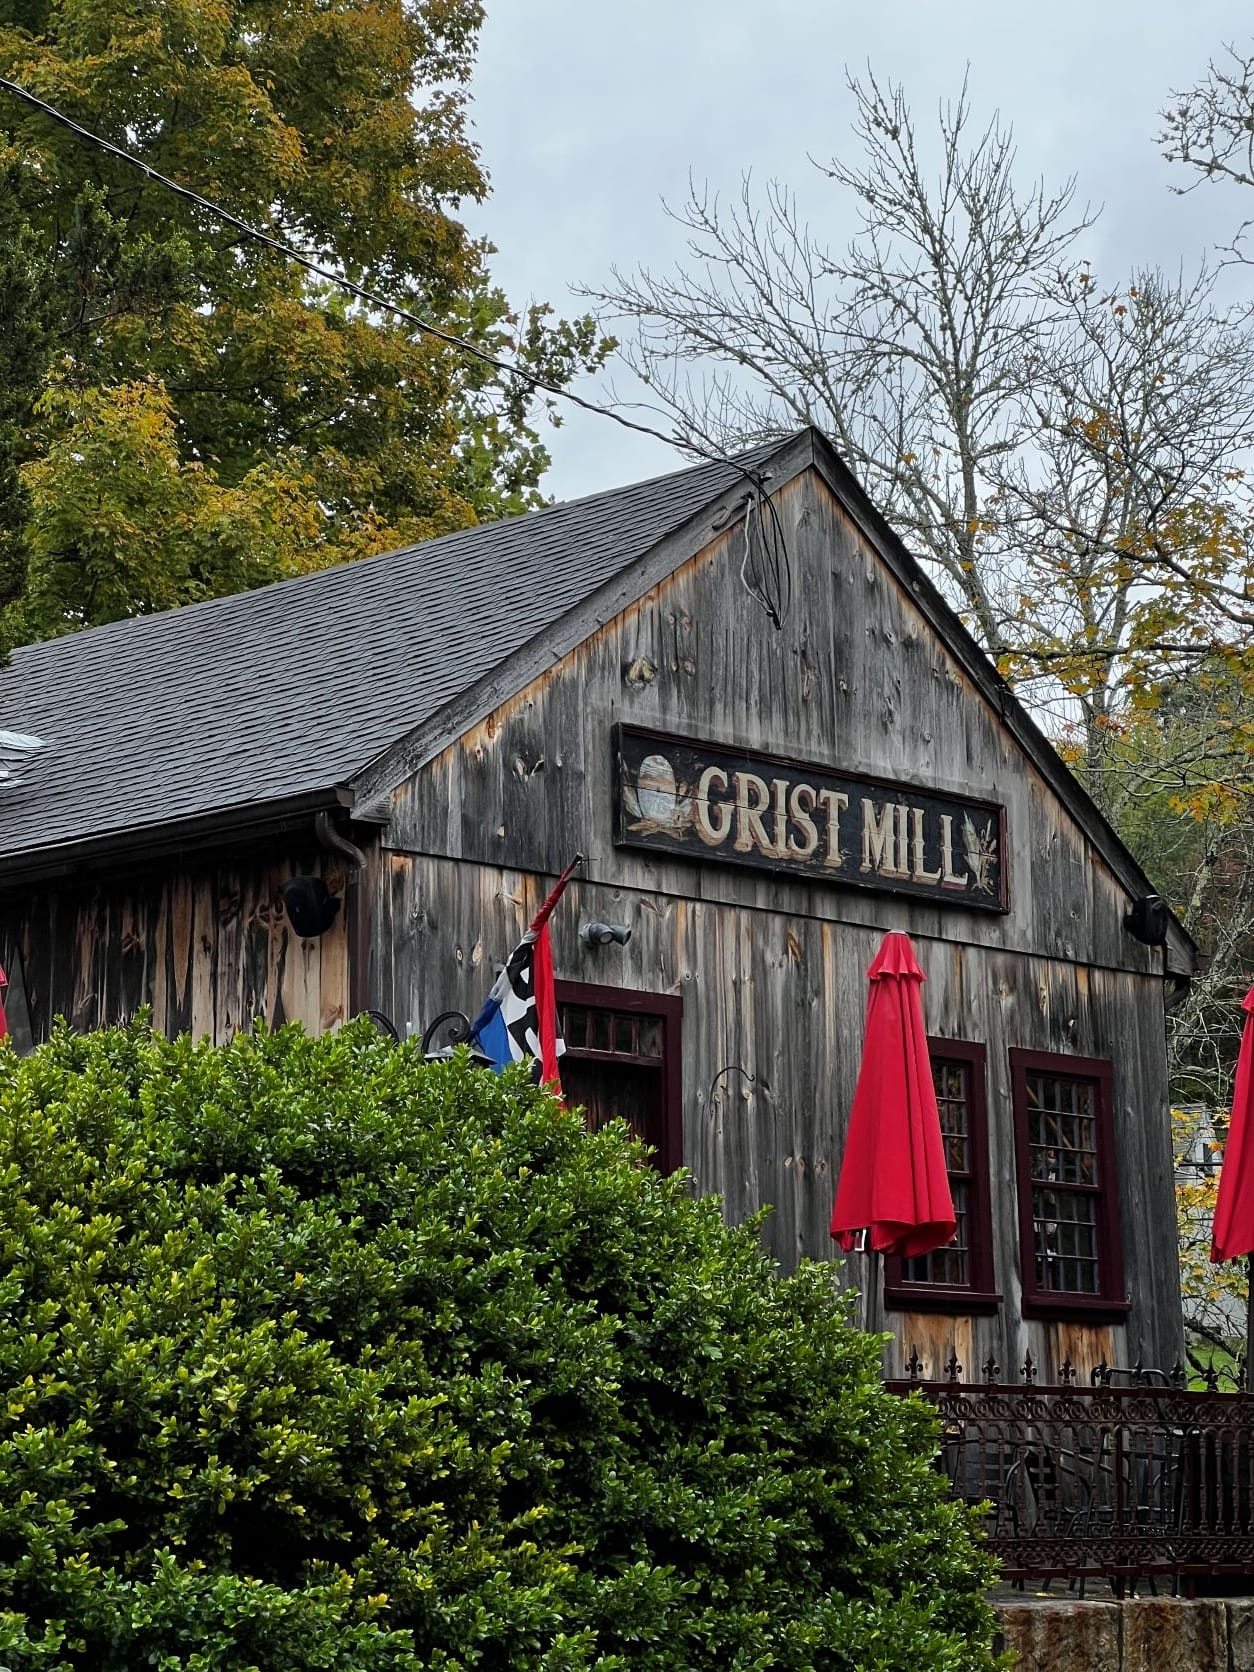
(208, 947)
(772, 970)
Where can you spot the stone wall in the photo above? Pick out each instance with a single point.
(1140, 1634)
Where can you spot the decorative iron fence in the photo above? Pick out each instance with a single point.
(1133, 1476)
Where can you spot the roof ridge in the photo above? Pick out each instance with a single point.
(249, 700)
(364, 565)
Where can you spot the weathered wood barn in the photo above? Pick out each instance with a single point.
(772, 740)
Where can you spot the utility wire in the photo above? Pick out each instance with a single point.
(424, 326)
(776, 600)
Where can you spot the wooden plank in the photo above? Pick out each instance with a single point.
(89, 999)
(685, 658)
(937, 1340)
(204, 978)
(179, 952)
(206, 949)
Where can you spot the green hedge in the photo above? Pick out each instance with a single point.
(312, 1355)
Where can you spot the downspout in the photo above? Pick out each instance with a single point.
(356, 910)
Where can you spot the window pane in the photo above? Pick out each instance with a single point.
(1065, 1231)
(1062, 1129)
(599, 1024)
(650, 1036)
(952, 1104)
(622, 1033)
(953, 1122)
(605, 1091)
(573, 1025)
(950, 1079)
(951, 1265)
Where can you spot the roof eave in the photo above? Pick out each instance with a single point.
(255, 820)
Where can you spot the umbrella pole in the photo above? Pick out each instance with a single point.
(1249, 1323)
(868, 1288)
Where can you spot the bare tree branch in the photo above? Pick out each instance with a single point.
(1066, 455)
(911, 348)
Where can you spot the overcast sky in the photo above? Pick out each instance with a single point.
(589, 114)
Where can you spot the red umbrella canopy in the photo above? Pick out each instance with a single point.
(893, 1182)
(1233, 1232)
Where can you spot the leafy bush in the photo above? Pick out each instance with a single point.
(315, 1356)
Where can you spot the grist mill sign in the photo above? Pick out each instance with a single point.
(707, 801)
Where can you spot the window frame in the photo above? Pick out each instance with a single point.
(980, 1294)
(1110, 1304)
(669, 1009)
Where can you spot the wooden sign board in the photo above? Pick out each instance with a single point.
(707, 801)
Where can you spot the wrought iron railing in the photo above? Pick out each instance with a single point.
(1134, 1476)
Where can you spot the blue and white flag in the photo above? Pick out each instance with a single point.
(518, 1022)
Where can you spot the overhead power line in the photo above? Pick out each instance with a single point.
(425, 326)
(776, 553)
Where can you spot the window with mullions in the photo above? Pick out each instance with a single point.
(622, 1062)
(958, 1277)
(1068, 1201)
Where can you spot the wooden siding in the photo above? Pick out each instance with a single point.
(782, 997)
(856, 680)
(772, 971)
(209, 949)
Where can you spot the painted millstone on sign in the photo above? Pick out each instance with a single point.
(708, 801)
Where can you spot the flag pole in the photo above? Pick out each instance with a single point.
(520, 1008)
(555, 894)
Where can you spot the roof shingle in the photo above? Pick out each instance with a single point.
(293, 688)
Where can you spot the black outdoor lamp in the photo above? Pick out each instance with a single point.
(604, 934)
(310, 906)
(1148, 920)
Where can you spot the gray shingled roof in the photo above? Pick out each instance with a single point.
(293, 688)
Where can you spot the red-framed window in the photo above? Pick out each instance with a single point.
(958, 1277)
(1070, 1252)
(622, 1061)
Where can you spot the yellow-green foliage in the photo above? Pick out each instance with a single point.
(1214, 1296)
(313, 1355)
(192, 406)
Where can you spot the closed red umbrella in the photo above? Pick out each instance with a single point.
(1233, 1233)
(893, 1182)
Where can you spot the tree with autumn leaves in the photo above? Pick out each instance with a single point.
(185, 412)
(1061, 449)
(1067, 452)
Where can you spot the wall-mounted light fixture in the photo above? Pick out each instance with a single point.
(1148, 920)
(310, 906)
(602, 934)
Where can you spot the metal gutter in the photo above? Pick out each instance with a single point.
(144, 843)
